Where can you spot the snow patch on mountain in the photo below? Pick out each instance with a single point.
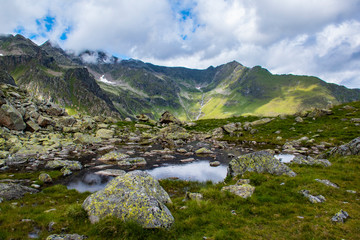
(104, 80)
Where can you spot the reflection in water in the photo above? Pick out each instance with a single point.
(196, 171)
(285, 158)
(90, 182)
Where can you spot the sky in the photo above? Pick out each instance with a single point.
(305, 37)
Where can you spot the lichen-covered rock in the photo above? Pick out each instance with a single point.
(45, 121)
(193, 196)
(54, 110)
(130, 162)
(44, 177)
(260, 162)
(58, 164)
(340, 216)
(65, 171)
(313, 199)
(113, 156)
(214, 163)
(261, 121)
(203, 150)
(32, 126)
(11, 118)
(144, 126)
(308, 160)
(218, 133)
(10, 191)
(232, 127)
(327, 183)
(111, 172)
(86, 138)
(350, 148)
(105, 133)
(66, 237)
(243, 190)
(174, 132)
(299, 119)
(167, 118)
(135, 196)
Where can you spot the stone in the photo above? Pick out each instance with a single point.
(244, 190)
(130, 162)
(355, 120)
(32, 126)
(144, 126)
(232, 127)
(167, 118)
(135, 196)
(193, 196)
(174, 132)
(181, 150)
(142, 118)
(54, 110)
(45, 121)
(340, 216)
(86, 138)
(350, 148)
(261, 121)
(187, 160)
(218, 133)
(11, 191)
(44, 177)
(67, 121)
(308, 160)
(260, 162)
(214, 163)
(66, 171)
(313, 199)
(111, 172)
(203, 150)
(351, 191)
(127, 119)
(299, 120)
(11, 118)
(327, 183)
(113, 156)
(105, 133)
(58, 164)
(66, 237)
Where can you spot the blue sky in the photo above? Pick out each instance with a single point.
(306, 37)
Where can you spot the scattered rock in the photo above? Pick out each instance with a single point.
(187, 160)
(11, 118)
(167, 118)
(203, 150)
(313, 199)
(218, 133)
(32, 126)
(144, 126)
(327, 183)
(113, 156)
(350, 148)
(66, 171)
(66, 237)
(299, 119)
(261, 121)
(351, 191)
(45, 121)
(193, 196)
(57, 164)
(10, 191)
(340, 216)
(142, 118)
(308, 160)
(111, 172)
(214, 163)
(232, 127)
(260, 162)
(244, 190)
(105, 133)
(134, 196)
(130, 162)
(44, 177)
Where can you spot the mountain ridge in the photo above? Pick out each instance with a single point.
(130, 87)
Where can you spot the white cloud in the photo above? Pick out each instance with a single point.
(299, 36)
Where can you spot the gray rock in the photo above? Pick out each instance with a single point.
(44, 177)
(243, 190)
(350, 148)
(45, 121)
(299, 119)
(135, 196)
(11, 118)
(32, 126)
(340, 216)
(58, 164)
(313, 199)
(214, 163)
(113, 156)
(260, 162)
(327, 183)
(54, 110)
(66, 237)
(232, 127)
(10, 191)
(193, 196)
(261, 121)
(105, 133)
(167, 118)
(307, 160)
(111, 172)
(130, 162)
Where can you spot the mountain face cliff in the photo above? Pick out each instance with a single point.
(96, 83)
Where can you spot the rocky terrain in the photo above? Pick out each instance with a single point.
(315, 195)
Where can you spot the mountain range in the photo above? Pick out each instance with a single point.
(98, 84)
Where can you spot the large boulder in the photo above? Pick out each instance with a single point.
(10, 191)
(113, 156)
(260, 162)
(174, 132)
(243, 190)
(135, 196)
(11, 118)
(167, 118)
(308, 160)
(105, 133)
(54, 110)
